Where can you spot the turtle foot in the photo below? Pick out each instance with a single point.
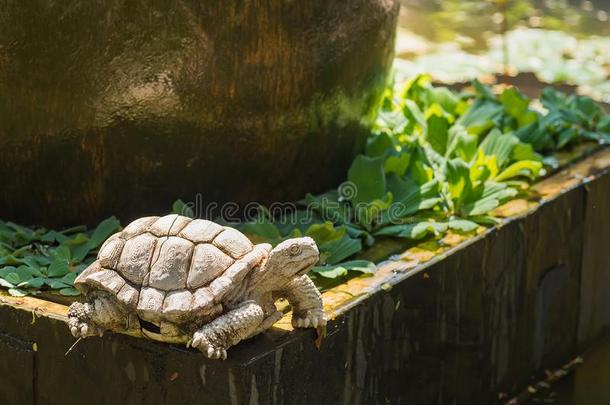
(80, 323)
(312, 318)
(203, 342)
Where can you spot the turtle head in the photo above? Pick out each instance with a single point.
(291, 258)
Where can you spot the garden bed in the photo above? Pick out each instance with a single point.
(464, 320)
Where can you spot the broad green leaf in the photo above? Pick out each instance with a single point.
(485, 167)
(17, 292)
(36, 282)
(58, 268)
(486, 198)
(325, 233)
(566, 136)
(341, 269)
(69, 291)
(368, 176)
(55, 284)
(23, 273)
(443, 97)
(516, 104)
(179, 207)
(78, 239)
(397, 164)
(457, 175)
(409, 197)
(394, 121)
(330, 205)
(362, 266)
(437, 133)
(413, 231)
(481, 116)
(13, 278)
(263, 228)
(527, 168)
(461, 144)
(6, 284)
(106, 228)
(54, 236)
(379, 145)
(500, 145)
(69, 278)
(366, 215)
(414, 114)
(329, 271)
(339, 250)
(462, 225)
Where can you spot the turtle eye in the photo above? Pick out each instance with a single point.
(294, 250)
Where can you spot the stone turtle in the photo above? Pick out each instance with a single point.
(178, 279)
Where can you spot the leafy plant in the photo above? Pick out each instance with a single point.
(437, 160)
(39, 259)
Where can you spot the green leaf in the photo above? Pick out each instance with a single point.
(329, 271)
(263, 228)
(13, 278)
(486, 198)
(54, 236)
(501, 145)
(516, 104)
(69, 278)
(461, 144)
(6, 284)
(413, 231)
(462, 225)
(443, 97)
(457, 175)
(69, 291)
(326, 232)
(480, 116)
(341, 249)
(341, 269)
(368, 176)
(409, 197)
(437, 133)
(329, 206)
(483, 91)
(58, 268)
(379, 145)
(23, 273)
(414, 114)
(179, 207)
(33, 283)
(526, 168)
(106, 228)
(397, 164)
(17, 292)
(55, 284)
(566, 136)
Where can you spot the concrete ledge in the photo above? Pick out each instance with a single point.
(457, 323)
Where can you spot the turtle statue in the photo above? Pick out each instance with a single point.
(177, 279)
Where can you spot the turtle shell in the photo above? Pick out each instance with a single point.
(171, 267)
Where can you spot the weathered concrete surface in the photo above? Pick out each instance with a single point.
(460, 323)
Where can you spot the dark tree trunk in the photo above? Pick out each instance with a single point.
(120, 107)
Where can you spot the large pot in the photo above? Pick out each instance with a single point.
(120, 107)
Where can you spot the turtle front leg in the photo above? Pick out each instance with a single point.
(99, 314)
(306, 302)
(214, 338)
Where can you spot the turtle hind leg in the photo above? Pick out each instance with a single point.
(102, 312)
(80, 320)
(213, 339)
